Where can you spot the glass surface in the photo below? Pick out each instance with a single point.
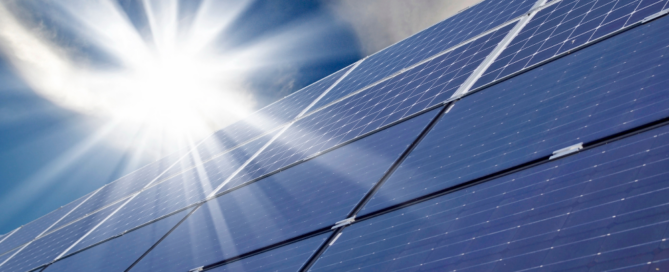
(609, 87)
(442, 36)
(565, 26)
(601, 209)
(6, 255)
(175, 193)
(47, 248)
(287, 258)
(119, 253)
(122, 187)
(267, 118)
(37, 227)
(304, 198)
(305, 139)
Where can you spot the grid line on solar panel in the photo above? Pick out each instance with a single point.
(541, 217)
(442, 36)
(41, 251)
(565, 26)
(401, 97)
(607, 88)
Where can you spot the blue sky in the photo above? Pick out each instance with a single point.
(64, 67)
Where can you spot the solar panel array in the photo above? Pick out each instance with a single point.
(395, 164)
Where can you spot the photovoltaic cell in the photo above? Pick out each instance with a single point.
(565, 26)
(306, 138)
(598, 210)
(310, 196)
(47, 248)
(119, 253)
(173, 194)
(121, 188)
(287, 258)
(442, 36)
(266, 119)
(31, 230)
(612, 86)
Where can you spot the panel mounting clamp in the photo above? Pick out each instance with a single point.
(197, 269)
(344, 222)
(566, 151)
(655, 16)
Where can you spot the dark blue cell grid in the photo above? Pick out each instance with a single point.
(122, 188)
(47, 248)
(440, 37)
(119, 253)
(599, 210)
(307, 197)
(612, 86)
(565, 26)
(37, 227)
(286, 258)
(304, 139)
(266, 119)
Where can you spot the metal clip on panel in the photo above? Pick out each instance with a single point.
(197, 269)
(566, 151)
(344, 222)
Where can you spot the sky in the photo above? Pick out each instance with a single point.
(91, 90)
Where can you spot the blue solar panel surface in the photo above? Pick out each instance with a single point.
(119, 253)
(6, 255)
(47, 248)
(565, 26)
(287, 258)
(266, 119)
(31, 230)
(602, 209)
(303, 140)
(604, 89)
(304, 198)
(121, 188)
(442, 36)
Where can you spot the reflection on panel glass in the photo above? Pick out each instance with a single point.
(47, 248)
(565, 26)
(266, 119)
(601, 209)
(304, 198)
(286, 258)
(308, 137)
(175, 193)
(119, 253)
(40, 226)
(442, 36)
(609, 87)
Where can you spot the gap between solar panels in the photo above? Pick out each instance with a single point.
(565, 53)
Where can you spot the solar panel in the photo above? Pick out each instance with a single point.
(119, 253)
(121, 188)
(602, 209)
(173, 194)
(6, 255)
(267, 118)
(604, 89)
(47, 248)
(565, 26)
(287, 258)
(442, 36)
(302, 140)
(39, 226)
(305, 198)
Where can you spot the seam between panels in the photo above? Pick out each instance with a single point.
(278, 134)
(568, 52)
(378, 184)
(464, 88)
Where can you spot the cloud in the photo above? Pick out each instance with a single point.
(380, 23)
